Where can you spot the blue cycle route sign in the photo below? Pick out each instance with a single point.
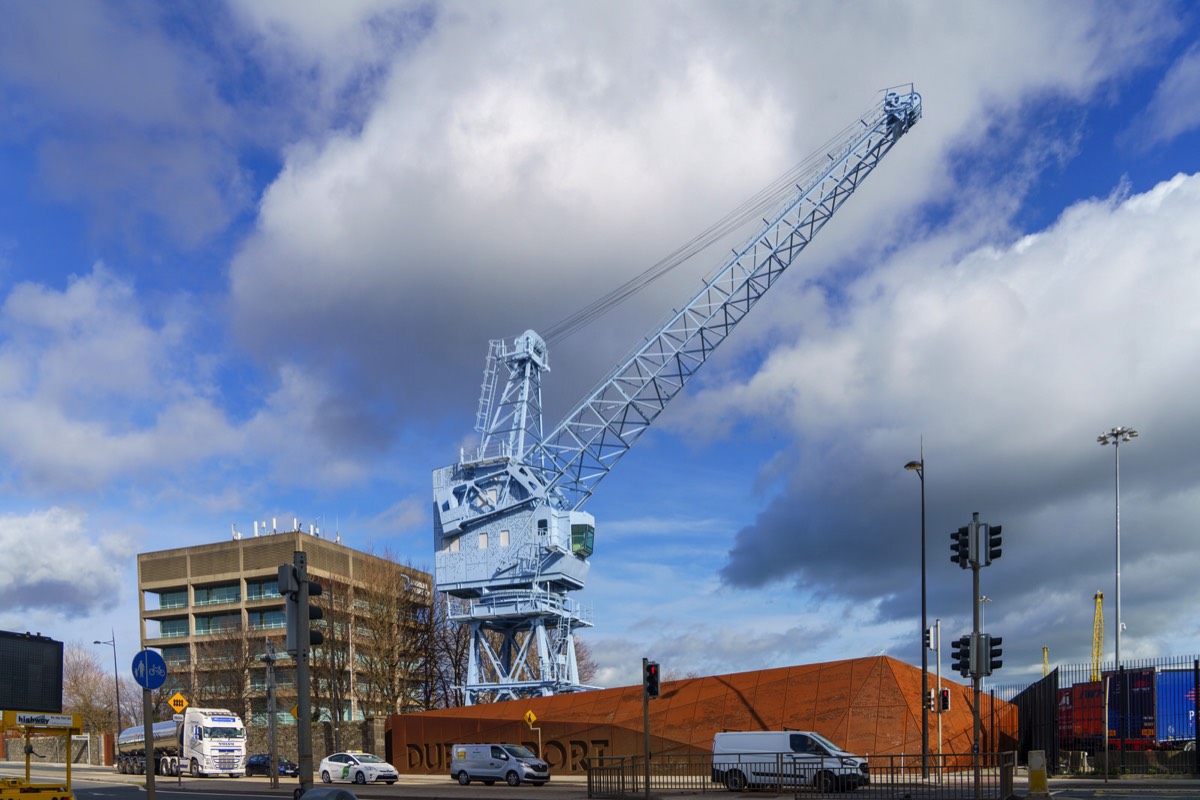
(149, 669)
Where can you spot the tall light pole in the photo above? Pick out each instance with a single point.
(919, 468)
(1115, 437)
(117, 686)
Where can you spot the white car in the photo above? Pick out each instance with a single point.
(357, 767)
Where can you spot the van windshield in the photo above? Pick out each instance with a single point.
(833, 748)
(517, 751)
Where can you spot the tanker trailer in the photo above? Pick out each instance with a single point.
(131, 749)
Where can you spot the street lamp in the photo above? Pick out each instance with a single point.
(919, 468)
(1115, 437)
(117, 686)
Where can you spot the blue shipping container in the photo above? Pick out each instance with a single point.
(1176, 716)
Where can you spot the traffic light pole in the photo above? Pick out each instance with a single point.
(974, 530)
(646, 725)
(303, 681)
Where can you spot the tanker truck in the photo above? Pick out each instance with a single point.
(200, 742)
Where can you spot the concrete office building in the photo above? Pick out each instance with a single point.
(214, 609)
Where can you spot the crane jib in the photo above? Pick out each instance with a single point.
(583, 448)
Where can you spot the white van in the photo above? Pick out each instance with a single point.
(785, 758)
(489, 763)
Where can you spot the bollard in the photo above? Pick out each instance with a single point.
(1037, 774)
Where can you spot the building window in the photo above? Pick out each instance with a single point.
(264, 620)
(504, 538)
(211, 595)
(176, 654)
(453, 548)
(170, 628)
(176, 598)
(483, 537)
(218, 623)
(262, 589)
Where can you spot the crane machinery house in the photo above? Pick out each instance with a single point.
(510, 536)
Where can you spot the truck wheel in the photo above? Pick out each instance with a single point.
(735, 781)
(195, 768)
(464, 778)
(824, 782)
(512, 779)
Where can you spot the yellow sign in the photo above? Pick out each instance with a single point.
(296, 711)
(178, 702)
(530, 718)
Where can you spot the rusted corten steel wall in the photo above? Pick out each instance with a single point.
(868, 705)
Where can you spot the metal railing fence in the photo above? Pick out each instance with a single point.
(951, 776)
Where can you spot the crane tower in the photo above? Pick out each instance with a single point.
(1097, 635)
(511, 540)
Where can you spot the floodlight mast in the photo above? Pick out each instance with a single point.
(510, 538)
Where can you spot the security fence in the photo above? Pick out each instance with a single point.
(1139, 719)
(948, 776)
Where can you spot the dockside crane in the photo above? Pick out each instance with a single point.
(510, 537)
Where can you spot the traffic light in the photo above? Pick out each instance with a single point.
(992, 652)
(945, 699)
(960, 547)
(993, 543)
(650, 679)
(298, 612)
(929, 638)
(931, 699)
(960, 656)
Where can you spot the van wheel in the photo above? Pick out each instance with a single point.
(464, 778)
(512, 779)
(824, 782)
(735, 781)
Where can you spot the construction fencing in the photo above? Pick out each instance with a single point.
(946, 777)
(1139, 719)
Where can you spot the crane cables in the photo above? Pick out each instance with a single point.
(799, 177)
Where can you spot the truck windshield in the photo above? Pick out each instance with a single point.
(224, 733)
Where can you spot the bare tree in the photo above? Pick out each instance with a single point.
(88, 689)
(586, 662)
(393, 601)
(224, 661)
(330, 661)
(450, 648)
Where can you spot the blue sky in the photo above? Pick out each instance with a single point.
(251, 255)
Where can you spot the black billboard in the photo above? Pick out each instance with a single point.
(31, 673)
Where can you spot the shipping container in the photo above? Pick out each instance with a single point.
(1087, 714)
(1131, 712)
(1176, 708)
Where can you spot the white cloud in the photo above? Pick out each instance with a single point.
(1172, 110)
(56, 563)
